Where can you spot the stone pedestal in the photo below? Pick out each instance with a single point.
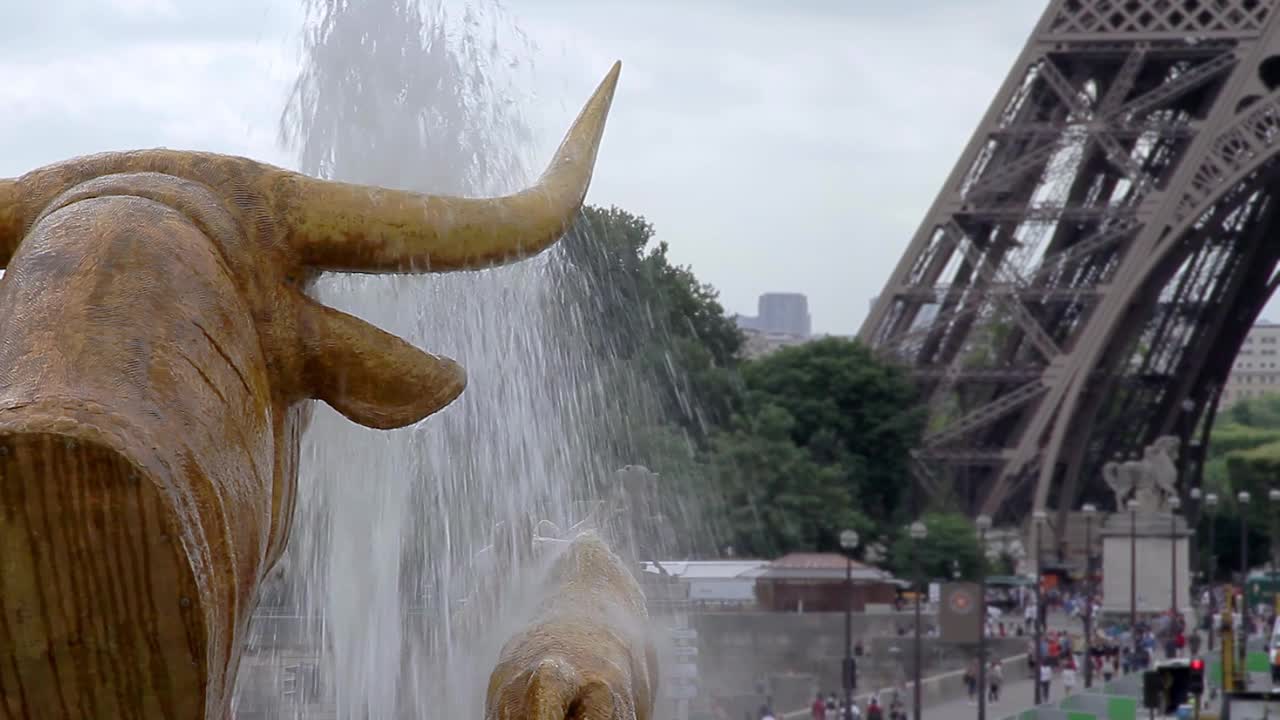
(1158, 534)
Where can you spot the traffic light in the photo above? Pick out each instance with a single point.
(1196, 684)
(1152, 690)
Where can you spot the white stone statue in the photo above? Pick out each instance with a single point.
(1118, 483)
(1161, 457)
(1150, 481)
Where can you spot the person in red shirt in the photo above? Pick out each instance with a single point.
(819, 710)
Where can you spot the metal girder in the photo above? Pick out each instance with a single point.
(1110, 234)
(1120, 132)
(953, 292)
(1004, 404)
(1070, 97)
(1006, 375)
(1124, 81)
(1083, 209)
(1000, 179)
(1040, 213)
(968, 457)
(988, 272)
(1180, 85)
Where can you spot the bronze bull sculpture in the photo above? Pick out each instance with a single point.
(157, 347)
(587, 655)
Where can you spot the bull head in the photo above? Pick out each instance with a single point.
(587, 654)
(156, 345)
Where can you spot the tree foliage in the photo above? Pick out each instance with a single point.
(658, 317)
(779, 498)
(851, 411)
(778, 454)
(951, 546)
(1243, 455)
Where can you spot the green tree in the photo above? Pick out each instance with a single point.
(657, 318)
(852, 411)
(1259, 412)
(1243, 454)
(777, 454)
(952, 543)
(778, 498)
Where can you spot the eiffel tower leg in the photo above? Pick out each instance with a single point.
(1098, 250)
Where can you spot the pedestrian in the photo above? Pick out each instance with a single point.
(996, 675)
(1046, 679)
(766, 713)
(896, 710)
(874, 712)
(971, 682)
(1068, 678)
(819, 708)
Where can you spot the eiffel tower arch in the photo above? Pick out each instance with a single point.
(1083, 280)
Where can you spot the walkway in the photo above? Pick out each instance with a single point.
(1015, 696)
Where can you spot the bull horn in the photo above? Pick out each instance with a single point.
(355, 228)
(12, 219)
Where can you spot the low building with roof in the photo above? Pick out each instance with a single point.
(708, 583)
(815, 582)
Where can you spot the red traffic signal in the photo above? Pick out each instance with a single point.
(1196, 684)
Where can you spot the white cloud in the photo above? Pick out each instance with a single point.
(776, 146)
(785, 146)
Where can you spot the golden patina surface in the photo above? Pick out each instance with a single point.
(587, 655)
(157, 347)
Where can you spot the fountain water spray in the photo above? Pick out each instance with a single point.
(399, 616)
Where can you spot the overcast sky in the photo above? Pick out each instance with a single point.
(776, 145)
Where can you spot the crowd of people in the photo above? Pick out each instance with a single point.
(1061, 659)
(831, 707)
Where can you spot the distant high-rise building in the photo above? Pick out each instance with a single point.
(783, 320)
(1256, 370)
(786, 313)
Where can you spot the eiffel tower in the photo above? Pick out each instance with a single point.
(1083, 280)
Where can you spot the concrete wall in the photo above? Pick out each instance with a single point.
(738, 650)
(1153, 576)
(935, 690)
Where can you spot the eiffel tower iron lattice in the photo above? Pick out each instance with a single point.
(1083, 280)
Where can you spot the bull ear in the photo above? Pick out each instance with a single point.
(373, 377)
(11, 219)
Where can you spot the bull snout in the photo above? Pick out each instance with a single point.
(554, 689)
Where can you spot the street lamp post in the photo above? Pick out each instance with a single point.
(1037, 520)
(848, 543)
(984, 524)
(1274, 496)
(1243, 499)
(1174, 505)
(1211, 504)
(918, 533)
(1133, 577)
(1089, 511)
